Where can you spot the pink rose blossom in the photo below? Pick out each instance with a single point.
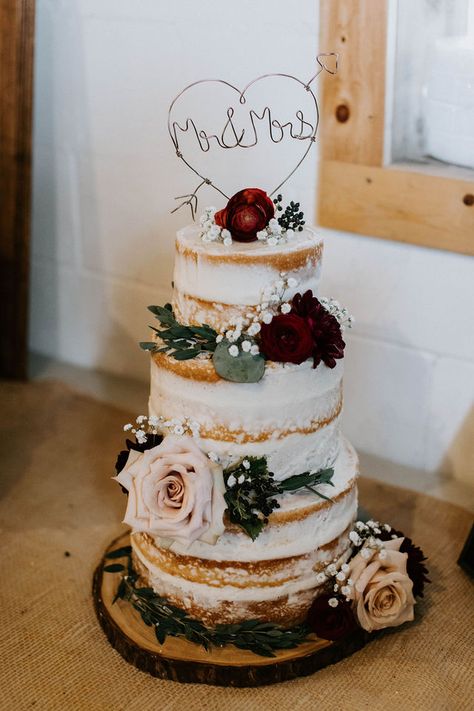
(382, 591)
(174, 491)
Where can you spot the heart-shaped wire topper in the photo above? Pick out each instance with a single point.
(232, 137)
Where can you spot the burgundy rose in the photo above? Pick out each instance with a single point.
(246, 213)
(286, 339)
(328, 344)
(331, 622)
(416, 569)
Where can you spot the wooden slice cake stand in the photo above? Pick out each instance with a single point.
(184, 661)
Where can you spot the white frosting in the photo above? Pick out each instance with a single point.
(238, 282)
(291, 416)
(302, 574)
(285, 402)
(294, 454)
(295, 537)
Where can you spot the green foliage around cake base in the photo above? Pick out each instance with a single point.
(262, 638)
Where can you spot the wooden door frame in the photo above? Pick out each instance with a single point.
(357, 192)
(16, 97)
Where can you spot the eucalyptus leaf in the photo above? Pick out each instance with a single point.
(164, 315)
(160, 634)
(113, 568)
(324, 476)
(203, 331)
(244, 368)
(120, 552)
(120, 594)
(186, 354)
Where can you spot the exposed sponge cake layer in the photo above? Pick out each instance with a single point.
(214, 283)
(291, 415)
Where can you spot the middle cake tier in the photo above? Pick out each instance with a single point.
(291, 416)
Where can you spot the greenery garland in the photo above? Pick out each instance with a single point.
(262, 638)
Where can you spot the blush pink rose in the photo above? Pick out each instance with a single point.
(382, 592)
(174, 492)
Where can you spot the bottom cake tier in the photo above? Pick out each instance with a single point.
(275, 577)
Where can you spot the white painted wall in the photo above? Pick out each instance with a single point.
(104, 180)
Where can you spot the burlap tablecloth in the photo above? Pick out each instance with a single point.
(59, 509)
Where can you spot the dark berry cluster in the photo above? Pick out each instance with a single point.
(292, 217)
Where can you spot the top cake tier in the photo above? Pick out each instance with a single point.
(214, 283)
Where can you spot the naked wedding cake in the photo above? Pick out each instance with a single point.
(242, 489)
(289, 418)
(242, 493)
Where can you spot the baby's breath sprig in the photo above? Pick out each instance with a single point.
(363, 538)
(157, 424)
(368, 532)
(340, 313)
(210, 232)
(237, 354)
(242, 330)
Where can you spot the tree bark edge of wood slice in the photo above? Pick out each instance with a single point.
(186, 662)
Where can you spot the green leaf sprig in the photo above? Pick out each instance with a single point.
(181, 342)
(251, 491)
(260, 637)
(309, 481)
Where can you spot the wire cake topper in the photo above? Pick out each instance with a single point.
(299, 129)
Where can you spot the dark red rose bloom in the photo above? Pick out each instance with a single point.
(416, 569)
(247, 212)
(328, 344)
(331, 622)
(286, 339)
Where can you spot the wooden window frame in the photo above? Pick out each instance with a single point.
(357, 192)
